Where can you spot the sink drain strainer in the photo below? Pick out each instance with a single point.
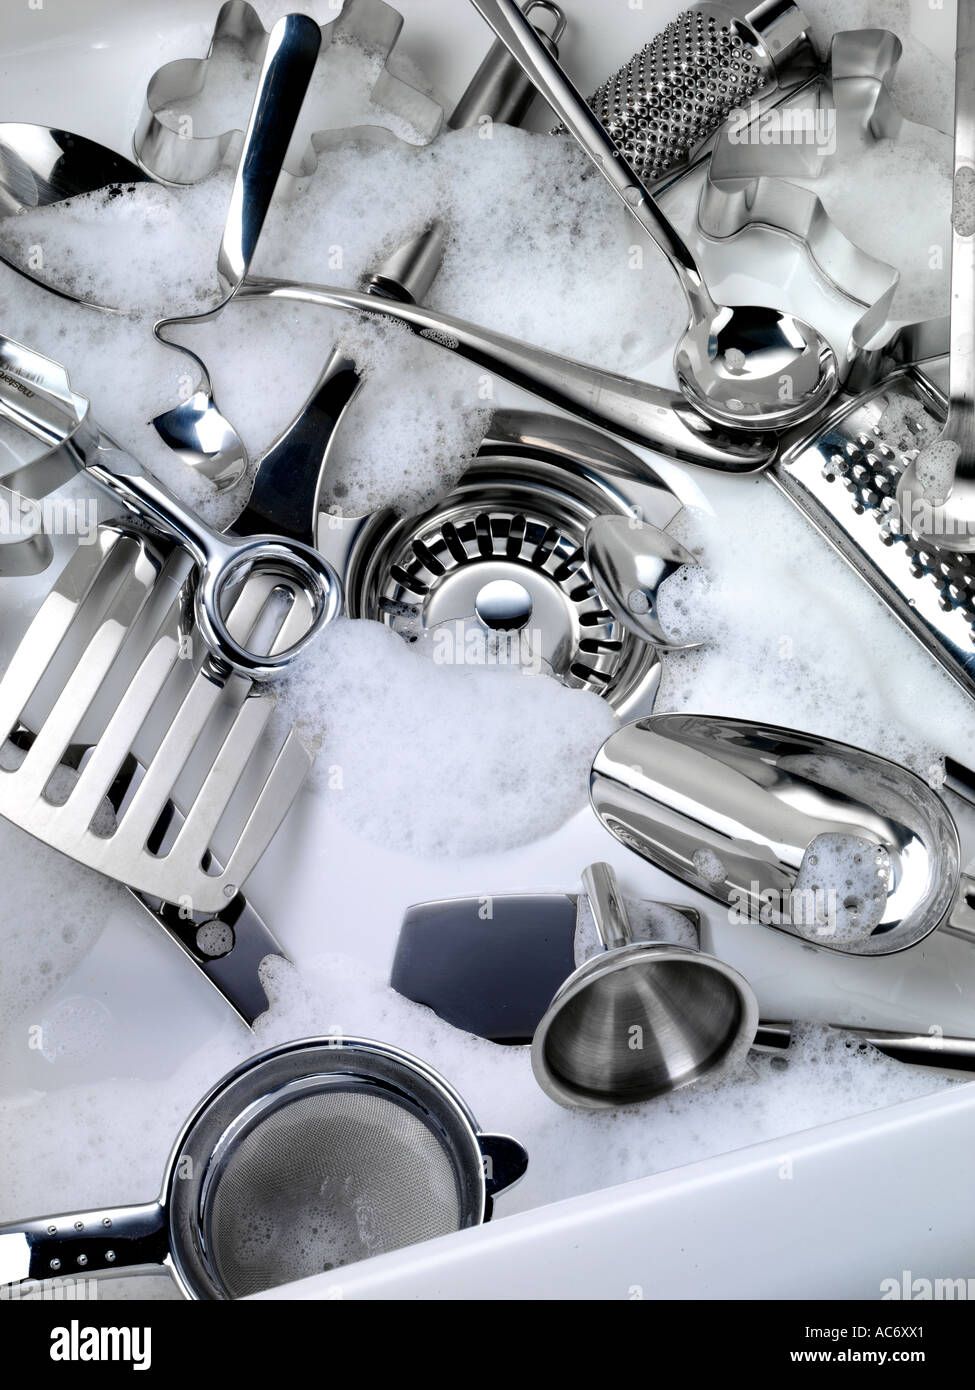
(497, 569)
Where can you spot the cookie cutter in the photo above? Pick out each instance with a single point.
(164, 143)
(195, 428)
(748, 188)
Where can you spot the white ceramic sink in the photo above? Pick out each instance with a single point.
(802, 1214)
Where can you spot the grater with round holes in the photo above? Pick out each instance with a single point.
(843, 476)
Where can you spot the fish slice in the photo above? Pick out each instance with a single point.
(228, 946)
(83, 634)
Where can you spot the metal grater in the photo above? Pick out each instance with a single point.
(101, 620)
(845, 481)
(665, 104)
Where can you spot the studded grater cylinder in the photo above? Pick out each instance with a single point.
(664, 105)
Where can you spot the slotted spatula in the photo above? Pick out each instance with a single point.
(100, 600)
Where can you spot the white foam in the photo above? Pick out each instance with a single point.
(863, 190)
(441, 760)
(844, 880)
(122, 1130)
(923, 85)
(432, 760)
(54, 913)
(793, 637)
(556, 262)
(935, 467)
(906, 424)
(709, 865)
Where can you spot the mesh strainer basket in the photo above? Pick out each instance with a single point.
(306, 1158)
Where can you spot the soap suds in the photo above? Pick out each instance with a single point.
(841, 889)
(432, 761)
(863, 190)
(792, 637)
(709, 866)
(441, 760)
(935, 467)
(824, 1077)
(923, 85)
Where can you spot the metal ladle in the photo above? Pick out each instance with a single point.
(936, 493)
(747, 366)
(736, 809)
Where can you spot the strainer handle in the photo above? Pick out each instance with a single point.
(504, 1162)
(77, 1244)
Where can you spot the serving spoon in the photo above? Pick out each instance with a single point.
(770, 821)
(748, 366)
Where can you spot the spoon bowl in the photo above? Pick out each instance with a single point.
(630, 560)
(755, 367)
(41, 166)
(741, 367)
(770, 821)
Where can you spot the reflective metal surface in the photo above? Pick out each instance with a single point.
(111, 639)
(52, 409)
(178, 1231)
(41, 166)
(734, 807)
(629, 560)
(747, 366)
(196, 428)
(227, 946)
(844, 475)
(176, 154)
(516, 517)
(499, 90)
(664, 107)
(940, 509)
(491, 976)
(641, 1019)
(844, 114)
(650, 416)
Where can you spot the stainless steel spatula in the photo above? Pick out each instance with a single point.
(91, 624)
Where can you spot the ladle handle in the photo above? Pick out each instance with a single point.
(552, 82)
(289, 62)
(647, 415)
(80, 1243)
(286, 494)
(603, 891)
